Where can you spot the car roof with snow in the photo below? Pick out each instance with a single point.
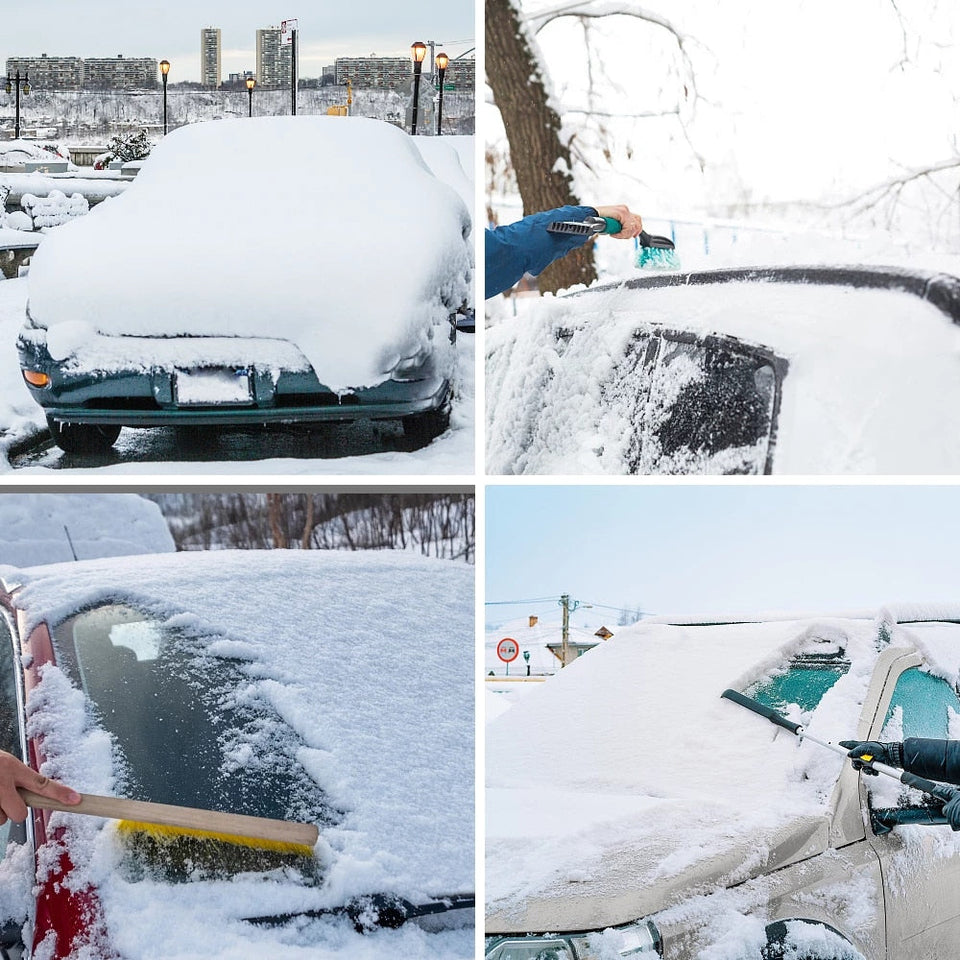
(379, 697)
(861, 364)
(608, 781)
(294, 228)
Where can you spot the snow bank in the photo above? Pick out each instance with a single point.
(873, 384)
(363, 655)
(369, 255)
(40, 528)
(54, 209)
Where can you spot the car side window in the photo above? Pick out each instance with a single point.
(923, 705)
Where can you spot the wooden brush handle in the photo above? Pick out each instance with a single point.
(188, 818)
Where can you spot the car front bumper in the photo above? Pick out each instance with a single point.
(150, 393)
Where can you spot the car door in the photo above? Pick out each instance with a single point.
(920, 865)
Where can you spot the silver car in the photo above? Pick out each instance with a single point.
(633, 812)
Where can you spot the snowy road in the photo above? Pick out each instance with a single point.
(362, 448)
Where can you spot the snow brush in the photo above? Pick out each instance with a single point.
(650, 252)
(937, 791)
(187, 839)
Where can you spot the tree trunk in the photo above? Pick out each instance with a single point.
(541, 162)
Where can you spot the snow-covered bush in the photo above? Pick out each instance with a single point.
(54, 209)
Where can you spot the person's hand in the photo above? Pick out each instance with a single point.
(951, 810)
(15, 774)
(889, 753)
(631, 222)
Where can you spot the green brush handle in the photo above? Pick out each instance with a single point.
(612, 225)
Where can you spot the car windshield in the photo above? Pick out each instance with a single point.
(186, 726)
(804, 681)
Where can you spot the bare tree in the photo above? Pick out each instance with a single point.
(541, 155)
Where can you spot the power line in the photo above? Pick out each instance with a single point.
(507, 603)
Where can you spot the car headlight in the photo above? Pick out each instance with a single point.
(641, 939)
(414, 367)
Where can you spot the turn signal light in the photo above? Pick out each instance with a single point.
(35, 378)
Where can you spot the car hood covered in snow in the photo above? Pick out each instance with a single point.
(380, 696)
(329, 232)
(626, 783)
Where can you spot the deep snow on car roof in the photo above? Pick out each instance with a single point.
(363, 655)
(658, 769)
(872, 387)
(329, 232)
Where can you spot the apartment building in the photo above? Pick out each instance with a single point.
(120, 73)
(210, 57)
(48, 73)
(274, 63)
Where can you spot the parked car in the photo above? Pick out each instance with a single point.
(280, 269)
(631, 811)
(262, 683)
(795, 370)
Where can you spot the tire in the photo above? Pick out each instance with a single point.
(780, 944)
(83, 437)
(425, 427)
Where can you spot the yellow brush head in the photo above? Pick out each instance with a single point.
(183, 854)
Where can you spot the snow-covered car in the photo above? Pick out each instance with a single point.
(631, 811)
(791, 370)
(279, 269)
(270, 683)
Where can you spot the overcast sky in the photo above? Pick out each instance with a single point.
(709, 550)
(171, 30)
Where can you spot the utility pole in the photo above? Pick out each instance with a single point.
(567, 606)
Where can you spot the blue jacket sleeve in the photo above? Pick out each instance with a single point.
(933, 759)
(526, 247)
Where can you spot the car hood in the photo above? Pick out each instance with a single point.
(329, 232)
(644, 873)
(627, 778)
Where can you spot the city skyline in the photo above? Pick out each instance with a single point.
(171, 31)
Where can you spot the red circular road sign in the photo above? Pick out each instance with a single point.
(508, 649)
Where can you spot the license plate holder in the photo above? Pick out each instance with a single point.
(213, 387)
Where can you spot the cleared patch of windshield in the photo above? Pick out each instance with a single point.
(804, 682)
(189, 728)
(696, 405)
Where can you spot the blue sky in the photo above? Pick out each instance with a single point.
(707, 549)
(171, 30)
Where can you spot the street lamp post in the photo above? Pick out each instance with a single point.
(442, 62)
(164, 70)
(419, 51)
(251, 83)
(17, 81)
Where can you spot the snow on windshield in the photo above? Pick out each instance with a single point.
(872, 385)
(367, 657)
(329, 232)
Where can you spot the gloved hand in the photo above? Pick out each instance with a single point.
(951, 810)
(888, 753)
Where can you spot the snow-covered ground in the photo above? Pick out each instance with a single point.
(382, 700)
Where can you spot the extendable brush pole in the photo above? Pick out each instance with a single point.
(938, 791)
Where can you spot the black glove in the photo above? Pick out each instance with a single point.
(889, 753)
(951, 810)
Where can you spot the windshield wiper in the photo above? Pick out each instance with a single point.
(376, 910)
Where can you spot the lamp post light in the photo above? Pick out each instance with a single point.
(251, 83)
(419, 51)
(442, 62)
(17, 81)
(164, 70)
